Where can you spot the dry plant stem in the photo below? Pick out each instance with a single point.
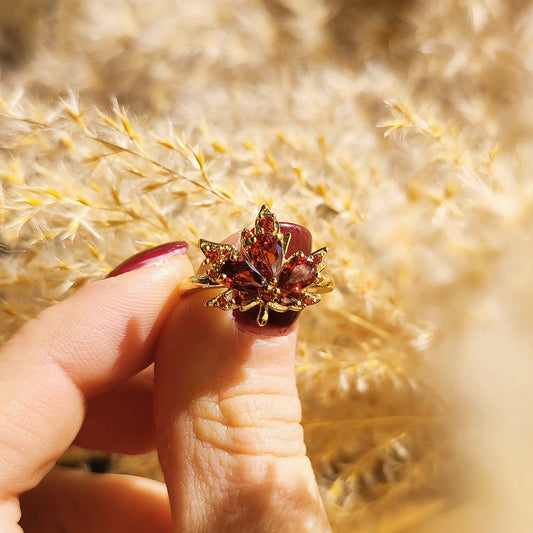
(292, 111)
(238, 415)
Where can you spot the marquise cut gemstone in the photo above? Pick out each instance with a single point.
(232, 299)
(297, 273)
(307, 299)
(241, 275)
(266, 253)
(298, 299)
(289, 299)
(225, 301)
(217, 255)
(266, 223)
(242, 298)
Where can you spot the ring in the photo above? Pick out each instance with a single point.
(261, 276)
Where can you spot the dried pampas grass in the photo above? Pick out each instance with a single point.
(398, 132)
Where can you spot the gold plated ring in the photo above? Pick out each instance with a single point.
(260, 275)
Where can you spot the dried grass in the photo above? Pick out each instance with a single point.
(398, 132)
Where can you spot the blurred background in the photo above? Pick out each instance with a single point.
(399, 132)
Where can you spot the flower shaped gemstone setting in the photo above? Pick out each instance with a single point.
(260, 275)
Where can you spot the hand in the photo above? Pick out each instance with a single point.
(222, 408)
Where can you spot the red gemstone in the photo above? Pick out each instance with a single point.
(225, 300)
(307, 300)
(213, 275)
(297, 273)
(231, 299)
(242, 298)
(266, 254)
(296, 297)
(241, 275)
(217, 255)
(289, 299)
(266, 223)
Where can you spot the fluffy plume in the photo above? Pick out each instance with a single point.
(399, 132)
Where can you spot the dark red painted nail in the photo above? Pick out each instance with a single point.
(150, 257)
(278, 323)
(301, 238)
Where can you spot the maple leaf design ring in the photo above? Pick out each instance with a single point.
(260, 275)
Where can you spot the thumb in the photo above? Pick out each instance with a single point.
(228, 421)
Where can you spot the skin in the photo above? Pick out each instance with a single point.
(221, 407)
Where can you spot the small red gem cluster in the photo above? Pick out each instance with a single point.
(260, 274)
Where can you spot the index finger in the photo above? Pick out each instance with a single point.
(103, 334)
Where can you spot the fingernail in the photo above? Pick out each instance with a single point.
(301, 238)
(150, 257)
(278, 323)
